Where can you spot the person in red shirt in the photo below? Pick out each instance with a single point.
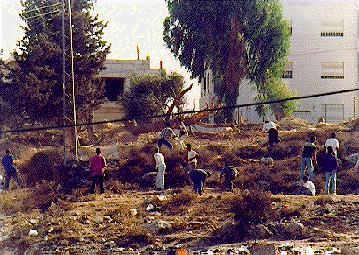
(97, 167)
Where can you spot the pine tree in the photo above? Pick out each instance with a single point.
(36, 89)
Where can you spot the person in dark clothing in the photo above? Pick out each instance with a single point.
(330, 165)
(309, 159)
(10, 170)
(229, 173)
(197, 176)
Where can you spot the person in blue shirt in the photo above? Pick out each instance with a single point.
(10, 170)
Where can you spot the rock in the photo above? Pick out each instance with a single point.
(133, 212)
(150, 207)
(159, 225)
(259, 232)
(267, 161)
(263, 249)
(290, 230)
(98, 219)
(33, 221)
(353, 158)
(33, 232)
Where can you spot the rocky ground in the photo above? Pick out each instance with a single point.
(53, 218)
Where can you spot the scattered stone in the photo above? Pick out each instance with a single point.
(33, 232)
(150, 207)
(267, 161)
(263, 249)
(98, 219)
(159, 225)
(33, 221)
(133, 212)
(260, 231)
(290, 230)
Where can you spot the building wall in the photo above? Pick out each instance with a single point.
(124, 69)
(310, 52)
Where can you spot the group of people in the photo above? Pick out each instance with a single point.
(329, 164)
(198, 176)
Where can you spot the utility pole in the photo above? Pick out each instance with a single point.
(63, 78)
(73, 80)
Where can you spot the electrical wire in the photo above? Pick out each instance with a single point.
(180, 113)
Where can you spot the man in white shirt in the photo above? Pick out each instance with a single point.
(161, 167)
(192, 156)
(332, 142)
(271, 128)
(309, 187)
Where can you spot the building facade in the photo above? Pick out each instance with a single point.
(117, 76)
(323, 58)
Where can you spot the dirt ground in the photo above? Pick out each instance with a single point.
(128, 218)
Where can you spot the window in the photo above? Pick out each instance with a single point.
(332, 28)
(288, 73)
(114, 88)
(332, 70)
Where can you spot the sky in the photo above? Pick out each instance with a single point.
(131, 23)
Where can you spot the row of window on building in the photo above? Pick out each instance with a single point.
(329, 70)
(328, 28)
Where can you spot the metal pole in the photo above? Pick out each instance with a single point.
(325, 113)
(73, 80)
(63, 78)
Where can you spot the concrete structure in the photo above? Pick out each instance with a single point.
(117, 75)
(324, 58)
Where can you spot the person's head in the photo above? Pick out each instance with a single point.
(156, 149)
(8, 151)
(98, 151)
(333, 135)
(330, 150)
(305, 178)
(189, 147)
(312, 139)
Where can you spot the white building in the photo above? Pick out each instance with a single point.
(117, 75)
(324, 58)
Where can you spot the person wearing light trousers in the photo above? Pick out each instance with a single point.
(161, 168)
(330, 167)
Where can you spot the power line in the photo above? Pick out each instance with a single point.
(40, 8)
(182, 113)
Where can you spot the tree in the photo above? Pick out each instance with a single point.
(36, 82)
(151, 95)
(241, 39)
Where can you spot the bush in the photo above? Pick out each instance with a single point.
(43, 166)
(252, 208)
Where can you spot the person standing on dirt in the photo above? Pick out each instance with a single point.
(165, 135)
(271, 128)
(10, 170)
(332, 142)
(192, 156)
(97, 167)
(183, 135)
(197, 176)
(330, 166)
(161, 168)
(229, 173)
(309, 159)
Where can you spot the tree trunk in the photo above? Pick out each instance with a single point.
(236, 68)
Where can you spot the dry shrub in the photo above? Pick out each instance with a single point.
(175, 205)
(254, 207)
(41, 166)
(24, 200)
